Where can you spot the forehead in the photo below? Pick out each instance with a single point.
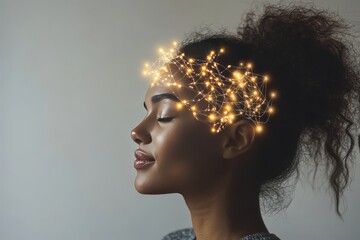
(181, 93)
(155, 90)
(166, 80)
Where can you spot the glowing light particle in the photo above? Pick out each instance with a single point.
(212, 117)
(179, 106)
(259, 128)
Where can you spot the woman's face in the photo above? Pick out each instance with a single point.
(188, 157)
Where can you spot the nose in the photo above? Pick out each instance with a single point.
(140, 135)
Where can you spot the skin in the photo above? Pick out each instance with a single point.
(211, 171)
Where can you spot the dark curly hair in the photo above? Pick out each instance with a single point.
(313, 66)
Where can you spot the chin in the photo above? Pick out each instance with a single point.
(147, 188)
(149, 191)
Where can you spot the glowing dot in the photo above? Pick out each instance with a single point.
(259, 128)
(273, 94)
(237, 74)
(212, 117)
(213, 130)
(179, 106)
(271, 110)
(222, 50)
(266, 78)
(249, 65)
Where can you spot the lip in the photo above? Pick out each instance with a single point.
(142, 159)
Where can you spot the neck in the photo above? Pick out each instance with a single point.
(226, 211)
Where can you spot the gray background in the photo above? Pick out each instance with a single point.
(70, 92)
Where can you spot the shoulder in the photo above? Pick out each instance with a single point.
(181, 234)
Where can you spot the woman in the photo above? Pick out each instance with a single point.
(208, 141)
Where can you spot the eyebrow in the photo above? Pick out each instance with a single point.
(160, 97)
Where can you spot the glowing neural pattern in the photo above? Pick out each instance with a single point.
(227, 91)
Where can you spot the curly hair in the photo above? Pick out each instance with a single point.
(313, 66)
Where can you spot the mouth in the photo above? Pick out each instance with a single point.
(143, 159)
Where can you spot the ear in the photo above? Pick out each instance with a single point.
(238, 138)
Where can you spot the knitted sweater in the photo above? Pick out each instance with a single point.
(189, 234)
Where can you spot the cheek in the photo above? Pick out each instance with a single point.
(187, 154)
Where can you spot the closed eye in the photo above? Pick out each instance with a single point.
(167, 119)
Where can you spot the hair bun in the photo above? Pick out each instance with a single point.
(302, 45)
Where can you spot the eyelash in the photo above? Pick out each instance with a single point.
(167, 119)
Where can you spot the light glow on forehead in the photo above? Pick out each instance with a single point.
(228, 91)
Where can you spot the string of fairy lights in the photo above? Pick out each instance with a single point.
(228, 91)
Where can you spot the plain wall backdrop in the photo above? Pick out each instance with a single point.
(71, 90)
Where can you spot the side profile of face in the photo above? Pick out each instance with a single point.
(187, 155)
